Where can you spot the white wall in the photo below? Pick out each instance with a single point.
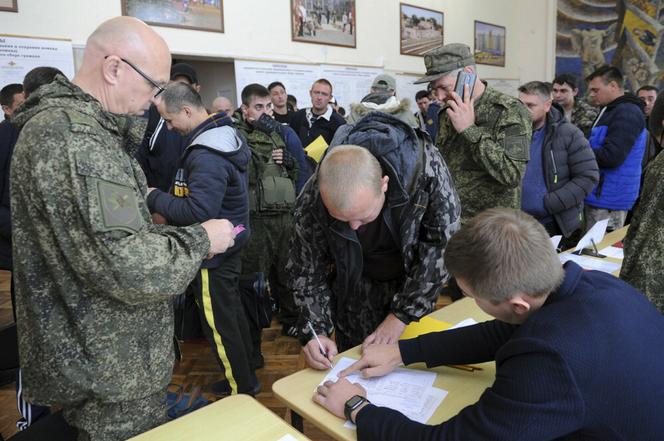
(260, 29)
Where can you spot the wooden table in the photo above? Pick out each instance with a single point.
(463, 387)
(238, 417)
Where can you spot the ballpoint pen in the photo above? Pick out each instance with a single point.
(320, 345)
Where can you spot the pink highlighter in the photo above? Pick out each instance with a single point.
(238, 229)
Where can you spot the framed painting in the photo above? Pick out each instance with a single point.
(9, 5)
(202, 15)
(329, 22)
(489, 44)
(421, 29)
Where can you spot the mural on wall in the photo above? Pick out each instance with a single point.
(623, 33)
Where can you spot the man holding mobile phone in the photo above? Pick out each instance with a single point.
(484, 135)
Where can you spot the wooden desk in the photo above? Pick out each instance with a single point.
(609, 239)
(463, 387)
(238, 417)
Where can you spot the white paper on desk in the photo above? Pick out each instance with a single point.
(596, 234)
(287, 437)
(590, 263)
(615, 252)
(555, 241)
(464, 323)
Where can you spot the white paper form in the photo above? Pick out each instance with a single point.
(590, 263)
(615, 252)
(595, 234)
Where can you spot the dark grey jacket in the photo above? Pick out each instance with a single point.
(570, 171)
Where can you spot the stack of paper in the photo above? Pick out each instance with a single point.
(408, 391)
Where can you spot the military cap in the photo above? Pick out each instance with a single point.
(444, 59)
(184, 70)
(384, 82)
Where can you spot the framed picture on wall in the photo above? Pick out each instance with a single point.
(421, 29)
(324, 22)
(489, 44)
(202, 15)
(9, 5)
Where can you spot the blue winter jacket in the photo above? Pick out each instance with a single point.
(618, 139)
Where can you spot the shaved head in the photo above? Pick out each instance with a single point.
(107, 73)
(222, 104)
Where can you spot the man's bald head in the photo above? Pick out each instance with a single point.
(107, 73)
(222, 104)
(352, 185)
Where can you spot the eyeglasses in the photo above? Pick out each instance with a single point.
(144, 75)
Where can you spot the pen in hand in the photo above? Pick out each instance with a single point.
(320, 345)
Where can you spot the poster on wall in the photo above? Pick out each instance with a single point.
(349, 83)
(19, 55)
(406, 88)
(9, 5)
(202, 15)
(489, 44)
(324, 22)
(421, 29)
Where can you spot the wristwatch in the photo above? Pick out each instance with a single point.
(353, 403)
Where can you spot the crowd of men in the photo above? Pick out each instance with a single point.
(126, 193)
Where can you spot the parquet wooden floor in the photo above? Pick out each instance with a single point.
(198, 368)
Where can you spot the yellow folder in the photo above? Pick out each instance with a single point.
(424, 326)
(317, 148)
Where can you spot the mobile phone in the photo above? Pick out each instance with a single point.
(465, 78)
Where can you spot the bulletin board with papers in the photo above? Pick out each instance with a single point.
(20, 54)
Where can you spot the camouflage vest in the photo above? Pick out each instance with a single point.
(270, 188)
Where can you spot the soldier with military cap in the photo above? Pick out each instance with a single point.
(484, 136)
(95, 278)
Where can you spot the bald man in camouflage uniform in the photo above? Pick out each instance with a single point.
(643, 265)
(95, 278)
(485, 139)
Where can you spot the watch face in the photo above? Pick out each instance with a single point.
(354, 401)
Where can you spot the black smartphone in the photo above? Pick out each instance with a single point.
(465, 78)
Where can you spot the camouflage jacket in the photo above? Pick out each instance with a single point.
(94, 276)
(422, 202)
(584, 115)
(488, 159)
(643, 265)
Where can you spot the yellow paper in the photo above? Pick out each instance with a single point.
(424, 326)
(316, 148)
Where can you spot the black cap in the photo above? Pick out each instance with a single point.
(184, 70)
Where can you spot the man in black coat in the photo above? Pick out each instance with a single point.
(319, 120)
(562, 169)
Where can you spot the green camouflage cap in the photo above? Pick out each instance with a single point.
(444, 59)
(384, 82)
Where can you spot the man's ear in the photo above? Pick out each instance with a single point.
(519, 305)
(5, 109)
(383, 183)
(575, 92)
(197, 88)
(187, 110)
(110, 69)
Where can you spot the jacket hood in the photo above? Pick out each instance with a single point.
(626, 98)
(62, 94)
(217, 134)
(393, 142)
(556, 115)
(383, 102)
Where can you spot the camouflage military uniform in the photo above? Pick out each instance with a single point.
(584, 115)
(643, 265)
(325, 261)
(488, 159)
(94, 276)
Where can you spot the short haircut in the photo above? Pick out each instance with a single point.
(567, 78)
(179, 94)
(502, 252)
(422, 94)
(647, 87)
(39, 76)
(276, 84)
(253, 90)
(322, 81)
(291, 99)
(7, 93)
(539, 88)
(608, 74)
(344, 170)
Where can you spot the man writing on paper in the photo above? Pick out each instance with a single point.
(370, 229)
(316, 125)
(578, 353)
(95, 278)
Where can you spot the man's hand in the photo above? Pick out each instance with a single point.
(376, 361)
(333, 396)
(387, 332)
(278, 156)
(221, 235)
(159, 219)
(313, 356)
(461, 112)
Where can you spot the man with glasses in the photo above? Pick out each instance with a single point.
(161, 148)
(95, 278)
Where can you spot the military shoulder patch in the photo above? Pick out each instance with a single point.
(119, 207)
(517, 144)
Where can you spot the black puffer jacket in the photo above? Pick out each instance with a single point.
(570, 171)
